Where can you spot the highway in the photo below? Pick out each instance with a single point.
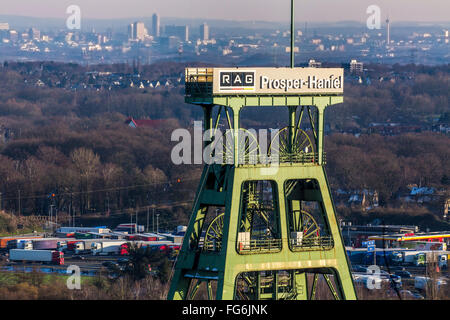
(89, 265)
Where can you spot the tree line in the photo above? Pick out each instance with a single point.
(72, 151)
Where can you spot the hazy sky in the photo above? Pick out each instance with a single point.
(274, 10)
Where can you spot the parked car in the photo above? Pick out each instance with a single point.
(397, 280)
(384, 274)
(422, 283)
(403, 274)
(123, 260)
(358, 268)
(406, 294)
(110, 264)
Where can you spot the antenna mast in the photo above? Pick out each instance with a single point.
(292, 34)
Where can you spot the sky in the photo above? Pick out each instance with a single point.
(245, 10)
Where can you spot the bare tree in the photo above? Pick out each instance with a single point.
(87, 164)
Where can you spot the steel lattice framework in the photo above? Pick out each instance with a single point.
(277, 235)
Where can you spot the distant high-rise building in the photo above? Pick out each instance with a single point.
(13, 35)
(186, 32)
(140, 32)
(204, 32)
(4, 26)
(356, 66)
(137, 31)
(388, 32)
(170, 42)
(34, 34)
(25, 36)
(181, 32)
(155, 25)
(131, 31)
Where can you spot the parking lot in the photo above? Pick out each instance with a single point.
(89, 265)
(400, 279)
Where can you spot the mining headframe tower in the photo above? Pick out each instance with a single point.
(263, 224)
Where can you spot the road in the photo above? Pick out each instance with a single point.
(89, 265)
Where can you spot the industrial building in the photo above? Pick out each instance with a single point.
(354, 235)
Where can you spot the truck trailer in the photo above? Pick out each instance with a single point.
(107, 247)
(45, 244)
(426, 283)
(84, 246)
(46, 256)
(163, 246)
(67, 230)
(4, 240)
(410, 257)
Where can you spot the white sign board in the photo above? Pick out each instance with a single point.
(286, 81)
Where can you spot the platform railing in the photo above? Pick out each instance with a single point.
(311, 244)
(212, 246)
(259, 246)
(198, 81)
(274, 245)
(257, 159)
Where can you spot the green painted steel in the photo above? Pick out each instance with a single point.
(224, 257)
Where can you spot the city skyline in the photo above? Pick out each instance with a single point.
(262, 10)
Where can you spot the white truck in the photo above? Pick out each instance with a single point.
(368, 281)
(427, 257)
(106, 247)
(46, 256)
(424, 283)
(84, 246)
(396, 257)
(26, 244)
(62, 244)
(410, 257)
(181, 229)
(65, 230)
(421, 258)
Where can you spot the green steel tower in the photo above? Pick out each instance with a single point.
(263, 223)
